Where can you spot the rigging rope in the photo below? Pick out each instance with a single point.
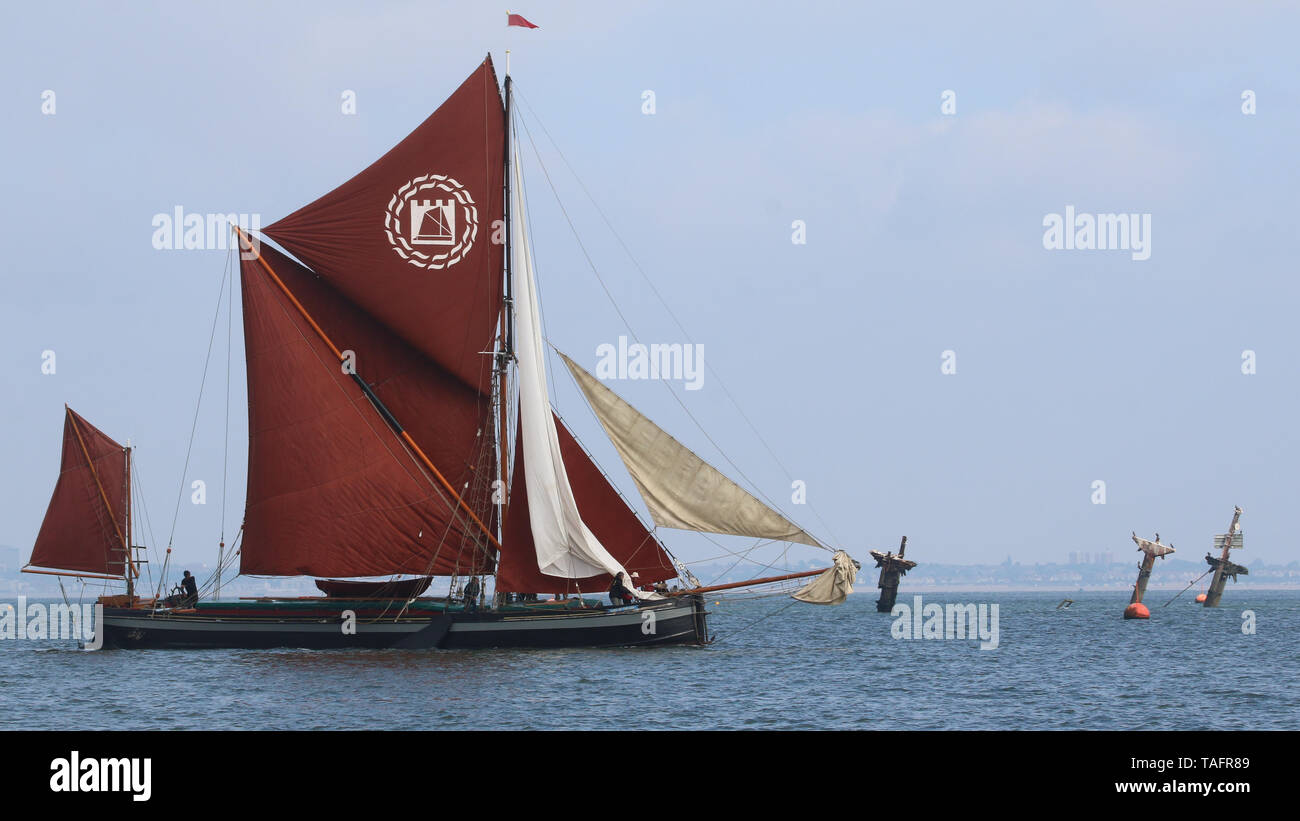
(532, 257)
(225, 450)
(1189, 586)
(144, 507)
(668, 385)
(531, 251)
(667, 309)
(199, 404)
(226, 562)
(745, 557)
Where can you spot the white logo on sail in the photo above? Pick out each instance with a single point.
(432, 222)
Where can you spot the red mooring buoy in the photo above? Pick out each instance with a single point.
(1137, 610)
(1200, 597)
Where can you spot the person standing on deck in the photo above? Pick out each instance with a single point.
(190, 588)
(471, 594)
(619, 595)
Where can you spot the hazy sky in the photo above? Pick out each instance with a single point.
(924, 235)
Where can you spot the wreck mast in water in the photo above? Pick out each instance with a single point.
(1151, 551)
(892, 569)
(1223, 568)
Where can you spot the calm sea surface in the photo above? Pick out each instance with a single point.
(804, 667)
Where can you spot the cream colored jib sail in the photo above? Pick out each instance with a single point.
(681, 490)
(566, 547)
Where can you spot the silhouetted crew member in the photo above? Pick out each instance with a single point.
(191, 589)
(619, 595)
(471, 594)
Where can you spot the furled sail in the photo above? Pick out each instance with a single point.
(605, 512)
(680, 489)
(85, 524)
(565, 547)
(410, 238)
(833, 586)
(332, 490)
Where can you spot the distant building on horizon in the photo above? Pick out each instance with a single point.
(9, 559)
(1091, 558)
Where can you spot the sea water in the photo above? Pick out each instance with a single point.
(776, 664)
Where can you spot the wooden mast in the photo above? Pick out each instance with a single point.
(130, 546)
(501, 490)
(507, 332)
(366, 389)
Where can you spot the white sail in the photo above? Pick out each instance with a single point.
(566, 548)
(681, 490)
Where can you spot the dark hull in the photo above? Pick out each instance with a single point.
(682, 620)
(398, 589)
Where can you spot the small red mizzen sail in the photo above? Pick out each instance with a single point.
(605, 513)
(413, 239)
(85, 529)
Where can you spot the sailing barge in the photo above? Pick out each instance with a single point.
(383, 361)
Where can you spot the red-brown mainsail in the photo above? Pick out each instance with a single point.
(332, 489)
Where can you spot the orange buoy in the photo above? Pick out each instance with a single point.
(1200, 597)
(1137, 610)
